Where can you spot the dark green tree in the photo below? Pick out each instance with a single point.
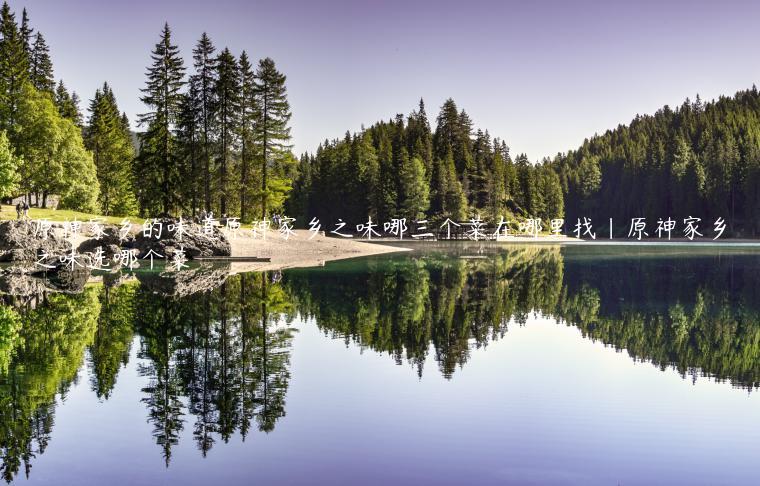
(246, 130)
(14, 70)
(111, 145)
(68, 104)
(226, 109)
(202, 87)
(157, 166)
(272, 133)
(40, 66)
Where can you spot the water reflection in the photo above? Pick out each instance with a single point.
(215, 349)
(216, 361)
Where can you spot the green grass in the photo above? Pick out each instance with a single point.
(9, 212)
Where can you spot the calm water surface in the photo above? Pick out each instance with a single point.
(455, 365)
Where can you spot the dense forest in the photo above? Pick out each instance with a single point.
(214, 139)
(215, 136)
(700, 160)
(403, 169)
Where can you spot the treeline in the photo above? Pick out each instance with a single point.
(699, 159)
(402, 168)
(216, 139)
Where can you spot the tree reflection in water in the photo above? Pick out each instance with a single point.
(215, 349)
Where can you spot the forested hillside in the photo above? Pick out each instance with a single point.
(402, 168)
(215, 135)
(699, 159)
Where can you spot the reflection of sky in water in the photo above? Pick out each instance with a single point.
(542, 405)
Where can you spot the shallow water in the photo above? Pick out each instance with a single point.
(525, 365)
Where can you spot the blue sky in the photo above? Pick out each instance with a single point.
(542, 75)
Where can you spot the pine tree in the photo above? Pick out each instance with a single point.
(387, 203)
(420, 139)
(158, 162)
(41, 67)
(246, 130)
(496, 193)
(68, 104)
(226, 111)
(414, 191)
(14, 70)
(272, 132)
(187, 137)
(455, 205)
(26, 32)
(551, 191)
(438, 188)
(110, 143)
(202, 82)
(366, 186)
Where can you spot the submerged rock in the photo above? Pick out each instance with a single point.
(22, 284)
(20, 241)
(69, 280)
(186, 281)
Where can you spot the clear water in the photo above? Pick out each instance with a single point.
(460, 364)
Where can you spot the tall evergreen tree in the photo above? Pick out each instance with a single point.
(26, 32)
(247, 123)
(157, 166)
(110, 143)
(188, 138)
(9, 165)
(272, 132)
(68, 104)
(14, 69)
(226, 111)
(41, 67)
(202, 82)
(413, 192)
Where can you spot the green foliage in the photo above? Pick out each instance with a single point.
(68, 104)
(14, 69)
(400, 168)
(157, 167)
(200, 107)
(10, 324)
(54, 159)
(40, 65)
(271, 132)
(413, 189)
(699, 160)
(109, 139)
(9, 165)
(226, 108)
(230, 151)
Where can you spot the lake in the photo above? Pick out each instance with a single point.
(452, 364)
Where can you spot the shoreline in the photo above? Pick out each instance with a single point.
(306, 249)
(299, 250)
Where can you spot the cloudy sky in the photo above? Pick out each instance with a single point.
(542, 75)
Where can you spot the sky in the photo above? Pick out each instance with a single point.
(541, 75)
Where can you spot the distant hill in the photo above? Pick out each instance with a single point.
(699, 159)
